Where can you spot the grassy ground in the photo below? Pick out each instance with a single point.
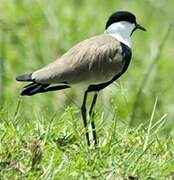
(42, 137)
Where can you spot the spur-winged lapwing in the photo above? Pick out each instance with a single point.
(95, 63)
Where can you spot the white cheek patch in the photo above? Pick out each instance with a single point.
(121, 31)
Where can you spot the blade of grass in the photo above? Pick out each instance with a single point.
(138, 159)
(159, 121)
(150, 125)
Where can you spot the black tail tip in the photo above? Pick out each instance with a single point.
(25, 93)
(24, 77)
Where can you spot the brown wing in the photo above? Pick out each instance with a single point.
(94, 60)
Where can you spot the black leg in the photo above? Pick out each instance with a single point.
(83, 111)
(92, 119)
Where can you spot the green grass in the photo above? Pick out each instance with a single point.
(55, 148)
(42, 137)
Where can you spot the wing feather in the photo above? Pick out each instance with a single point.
(94, 60)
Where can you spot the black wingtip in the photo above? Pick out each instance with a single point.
(32, 90)
(24, 77)
(35, 88)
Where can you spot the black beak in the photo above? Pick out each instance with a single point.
(138, 26)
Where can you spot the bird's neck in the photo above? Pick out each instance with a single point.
(121, 31)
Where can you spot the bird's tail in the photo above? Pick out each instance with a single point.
(35, 88)
(24, 77)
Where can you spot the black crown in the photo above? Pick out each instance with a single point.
(120, 16)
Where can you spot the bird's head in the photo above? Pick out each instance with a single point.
(122, 22)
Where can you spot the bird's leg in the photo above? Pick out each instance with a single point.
(92, 119)
(83, 112)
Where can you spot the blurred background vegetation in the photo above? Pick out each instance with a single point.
(35, 32)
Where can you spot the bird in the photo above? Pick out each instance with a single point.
(94, 63)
